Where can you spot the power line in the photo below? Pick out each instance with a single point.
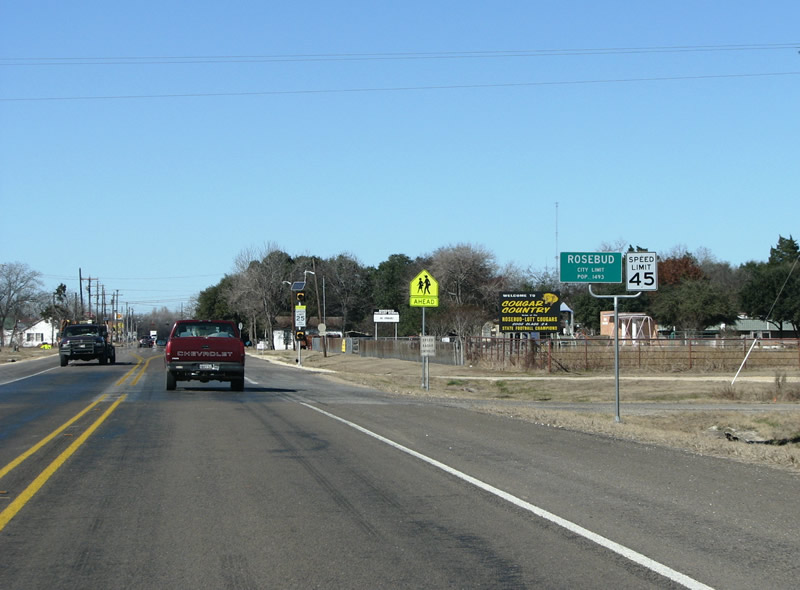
(144, 278)
(403, 88)
(315, 57)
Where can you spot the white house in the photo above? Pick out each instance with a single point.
(41, 332)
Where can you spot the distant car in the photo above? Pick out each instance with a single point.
(146, 342)
(162, 342)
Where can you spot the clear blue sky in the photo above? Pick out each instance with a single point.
(176, 134)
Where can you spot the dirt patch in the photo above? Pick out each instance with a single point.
(9, 355)
(757, 420)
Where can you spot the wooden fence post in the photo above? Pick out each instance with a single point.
(586, 354)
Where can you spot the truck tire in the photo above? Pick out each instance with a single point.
(237, 384)
(64, 360)
(171, 382)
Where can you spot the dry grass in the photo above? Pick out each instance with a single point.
(661, 356)
(704, 432)
(677, 411)
(9, 355)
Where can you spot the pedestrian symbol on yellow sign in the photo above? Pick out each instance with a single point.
(424, 285)
(424, 290)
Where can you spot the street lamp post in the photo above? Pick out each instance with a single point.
(291, 309)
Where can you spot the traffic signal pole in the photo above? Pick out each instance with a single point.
(299, 333)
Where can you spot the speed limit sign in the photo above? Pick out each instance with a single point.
(642, 271)
(300, 316)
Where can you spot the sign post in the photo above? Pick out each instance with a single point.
(424, 292)
(616, 344)
(606, 267)
(386, 316)
(299, 315)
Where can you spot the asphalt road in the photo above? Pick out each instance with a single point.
(109, 481)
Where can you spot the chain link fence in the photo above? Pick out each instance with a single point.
(658, 355)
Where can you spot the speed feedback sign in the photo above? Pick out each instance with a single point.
(641, 271)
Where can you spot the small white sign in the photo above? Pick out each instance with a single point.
(386, 316)
(427, 345)
(641, 271)
(300, 317)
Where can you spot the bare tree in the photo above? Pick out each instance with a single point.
(462, 271)
(347, 279)
(271, 271)
(242, 291)
(469, 287)
(19, 288)
(619, 245)
(257, 291)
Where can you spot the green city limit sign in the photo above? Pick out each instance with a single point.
(591, 267)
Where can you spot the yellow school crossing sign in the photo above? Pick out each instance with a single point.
(424, 290)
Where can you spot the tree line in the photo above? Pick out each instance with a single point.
(696, 291)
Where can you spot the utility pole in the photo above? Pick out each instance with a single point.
(558, 261)
(323, 337)
(116, 313)
(89, 289)
(80, 289)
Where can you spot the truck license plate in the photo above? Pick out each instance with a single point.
(208, 367)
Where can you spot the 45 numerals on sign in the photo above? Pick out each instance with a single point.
(642, 280)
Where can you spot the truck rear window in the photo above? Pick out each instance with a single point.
(80, 330)
(203, 330)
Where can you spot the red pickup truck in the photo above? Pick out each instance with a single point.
(205, 350)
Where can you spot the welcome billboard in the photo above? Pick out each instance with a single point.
(530, 312)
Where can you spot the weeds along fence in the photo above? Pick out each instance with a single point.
(448, 352)
(586, 354)
(657, 355)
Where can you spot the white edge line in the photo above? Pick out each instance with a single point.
(625, 552)
(27, 376)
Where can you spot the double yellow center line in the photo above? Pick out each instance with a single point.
(16, 505)
(28, 493)
(141, 367)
